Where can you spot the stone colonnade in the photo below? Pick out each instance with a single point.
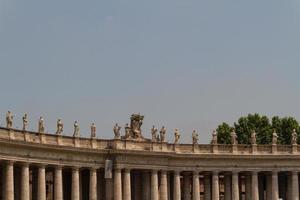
(77, 183)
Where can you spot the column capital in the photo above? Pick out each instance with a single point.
(215, 172)
(294, 172)
(254, 172)
(177, 172)
(163, 172)
(10, 162)
(127, 170)
(41, 165)
(25, 164)
(75, 168)
(235, 172)
(196, 173)
(154, 171)
(58, 167)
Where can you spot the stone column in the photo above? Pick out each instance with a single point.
(186, 187)
(196, 186)
(269, 187)
(177, 189)
(9, 186)
(295, 186)
(93, 184)
(207, 187)
(254, 187)
(75, 184)
(41, 183)
(109, 189)
(154, 185)
(235, 186)
(25, 182)
(127, 185)
(163, 186)
(146, 185)
(248, 187)
(58, 192)
(117, 185)
(227, 183)
(215, 186)
(275, 194)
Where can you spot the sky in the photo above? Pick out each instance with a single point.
(183, 64)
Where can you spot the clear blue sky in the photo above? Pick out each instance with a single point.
(183, 64)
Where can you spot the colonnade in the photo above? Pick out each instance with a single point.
(134, 184)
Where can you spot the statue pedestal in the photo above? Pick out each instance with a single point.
(11, 134)
(176, 147)
(59, 139)
(214, 148)
(254, 148)
(93, 143)
(164, 146)
(234, 149)
(118, 144)
(42, 138)
(26, 137)
(274, 148)
(76, 141)
(294, 148)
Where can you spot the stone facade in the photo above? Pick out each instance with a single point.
(39, 166)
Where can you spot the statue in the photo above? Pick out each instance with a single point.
(154, 134)
(176, 136)
(93, 130)
(41, 127)
(60, 127)
(127, 131)
(135, 125)
(233, 138)
(214, 137)
(117, 129)
(253, 137)
(76, 129)
(294, 137)
(274, 138)
(163, 134)
(25, 122)
(195, 137)
(9, 119)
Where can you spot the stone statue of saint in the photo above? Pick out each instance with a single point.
(127, 131)
(25, 122)
(9, 119)
(60, 127)
(214, 137)
(41, 127)
(163, 134)
(195, 137)
(93, 130)
(136, 121)
(233, 138)
(76, 129)
(154, 134)
(274, 138)
(294, 137)
(117, 129)
(176, 136)
(253, 137)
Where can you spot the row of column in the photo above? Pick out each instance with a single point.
(41, 191)
(211, 186)
(158, 190)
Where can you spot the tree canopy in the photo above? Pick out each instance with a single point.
(262, 125)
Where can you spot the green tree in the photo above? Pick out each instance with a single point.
(253, 122)
(223, 132)
(284, 128)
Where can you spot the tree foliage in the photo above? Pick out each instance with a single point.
(263, 128)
